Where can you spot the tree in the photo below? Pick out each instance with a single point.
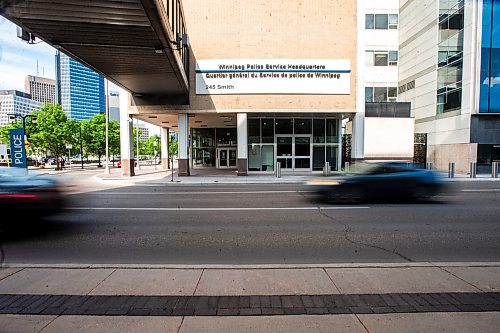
(94, 136)
(52, 131)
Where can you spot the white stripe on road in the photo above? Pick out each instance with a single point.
(215, 209)
(483, 190)
(198, 192)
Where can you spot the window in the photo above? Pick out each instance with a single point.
(393, 21)
(368, 94)
(381, 94)
(381, 21)
(393, 58)
(369, 21)
(381, 59)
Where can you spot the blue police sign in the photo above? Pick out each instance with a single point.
(17, 149)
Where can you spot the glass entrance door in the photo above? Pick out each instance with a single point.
(294, 152)
(226, 157)
(302, 152)
(284, 151)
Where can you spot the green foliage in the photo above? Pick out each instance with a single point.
(94, 136)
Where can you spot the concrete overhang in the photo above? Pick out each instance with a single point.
(129, 42)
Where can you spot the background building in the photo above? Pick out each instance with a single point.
(82, 90)
(143, 131)
(41, 89)
(114, 105)
(449, 70)
(15, 102)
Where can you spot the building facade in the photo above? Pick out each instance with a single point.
(14, 102)
(41, 89)
(82, 93)
(449, 73)
(271, 85)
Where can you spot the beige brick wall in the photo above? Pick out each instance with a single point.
(271, 29)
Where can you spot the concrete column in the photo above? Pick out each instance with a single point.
(126, 136)
(183, 158)
(165, 138)
(358, 136)
(242, 155)
(358, 123)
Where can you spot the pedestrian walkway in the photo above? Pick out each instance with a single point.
(412, 297)
(150, 175)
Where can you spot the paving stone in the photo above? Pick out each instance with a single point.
(316, 311)
(250, 312)
(228, 312)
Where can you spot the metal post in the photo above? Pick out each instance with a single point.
(494, 170)
(137, 142)
(451, 170)
(326, 169)
(81, 146)
(278, 169)
(428, 165)
(473, 169)
(346, 167)
(106, 166)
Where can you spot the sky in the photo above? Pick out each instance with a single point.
(18, 58)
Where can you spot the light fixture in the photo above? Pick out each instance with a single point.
(165, 122)
(152, 117)
(198, 121)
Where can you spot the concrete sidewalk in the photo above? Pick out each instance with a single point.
(413, 297)
(150, 175)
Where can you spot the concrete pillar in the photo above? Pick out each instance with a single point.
(242, 155)
(165, 138)
(183, 145)
(126, 136)
(358, 123)
(358, 136)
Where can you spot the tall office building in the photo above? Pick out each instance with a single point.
(81, 90)
(41, 89)
(450, 65)
(16, 102)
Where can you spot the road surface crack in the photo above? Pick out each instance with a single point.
(348, 229)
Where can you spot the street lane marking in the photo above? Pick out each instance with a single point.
(215, 209)
(199, 192)
(483, 190)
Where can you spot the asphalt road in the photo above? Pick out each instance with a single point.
(258, 224)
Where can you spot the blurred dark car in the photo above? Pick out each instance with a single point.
(26, 195)
(381, 181)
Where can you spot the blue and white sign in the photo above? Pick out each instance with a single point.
(17, 149)
(273, 76)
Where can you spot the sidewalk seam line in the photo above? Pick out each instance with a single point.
(362, 324)
(467, 282)
(180, 326)
(13, 273)
(114, 270)
(50, 322)
(198, 283)
(334, 284)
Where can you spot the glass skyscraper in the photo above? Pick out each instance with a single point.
(82, 93)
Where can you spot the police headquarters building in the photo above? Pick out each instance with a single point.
(270, 81)
(282, 82)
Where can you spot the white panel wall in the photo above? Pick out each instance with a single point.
(381, 5)
(389, 138)
(381, 76)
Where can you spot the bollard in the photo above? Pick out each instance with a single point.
(451, 170)
(473, 169)
(346, 168)
(428, 165)
(326, 169)
(494, 170)
(278, 169)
